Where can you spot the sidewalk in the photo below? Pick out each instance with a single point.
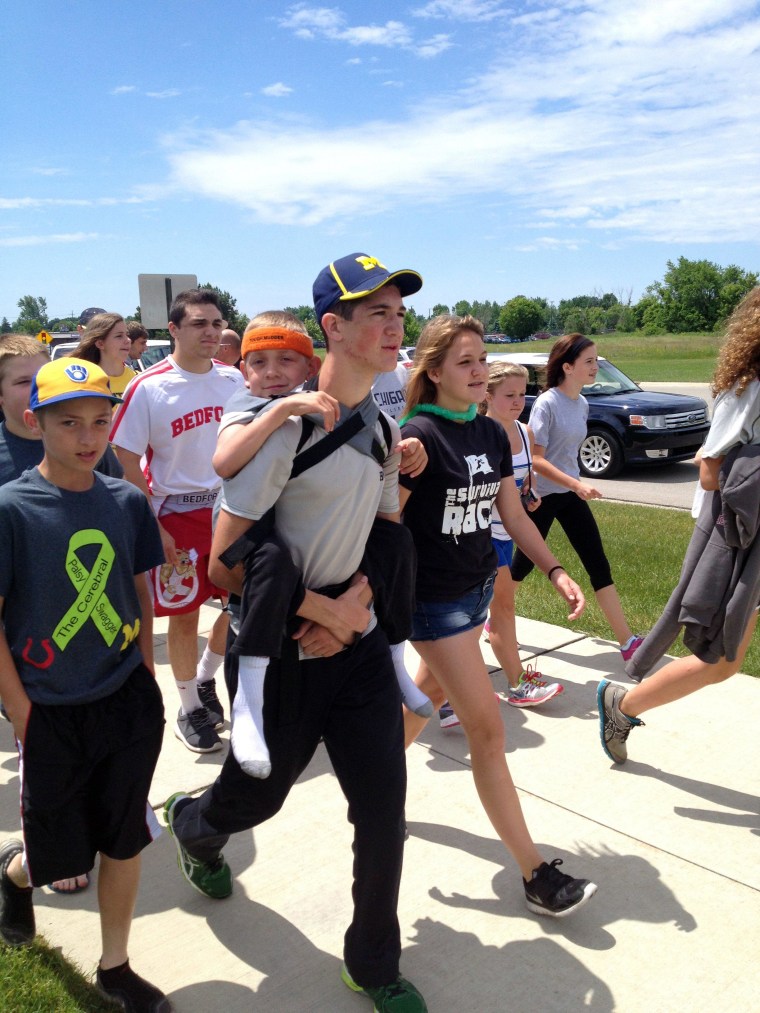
(671, 838)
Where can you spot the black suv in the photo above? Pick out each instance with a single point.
(626, 425)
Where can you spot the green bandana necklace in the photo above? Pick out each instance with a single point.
(445, 413)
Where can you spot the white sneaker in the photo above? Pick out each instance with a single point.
(532, 690)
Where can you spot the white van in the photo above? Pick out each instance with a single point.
(155, 351)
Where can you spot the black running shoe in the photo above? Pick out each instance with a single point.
(551, 892)
(17, 925)
(128, 990)
(212, 703)
(197, 732)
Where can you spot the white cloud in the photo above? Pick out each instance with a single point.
(167, 93)
(549, 243)
(278, 90)
(123, 89)
(66, 237)
(464, 10)
(329, 23)
(41, 170)
(30, 203)
(434, 46)
(615, 127)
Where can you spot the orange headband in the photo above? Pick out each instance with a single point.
(261, 339)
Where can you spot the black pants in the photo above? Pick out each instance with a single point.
(273, 590)
(352, 701)
(578, 523)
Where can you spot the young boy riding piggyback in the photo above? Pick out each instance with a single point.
(278, 359)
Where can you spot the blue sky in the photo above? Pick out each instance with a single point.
(532, 148)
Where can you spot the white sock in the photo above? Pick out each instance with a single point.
(247, 739)
(208, 666)
(412, 696)
(188, 696)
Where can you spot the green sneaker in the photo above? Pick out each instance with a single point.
(399, 997)
(212, 879)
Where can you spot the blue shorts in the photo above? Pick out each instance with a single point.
(504, 550)
(434, 620)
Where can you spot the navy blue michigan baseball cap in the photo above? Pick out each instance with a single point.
(355, 276)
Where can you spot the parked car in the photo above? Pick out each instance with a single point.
(155, 351)
(626, 425)
(406, 356)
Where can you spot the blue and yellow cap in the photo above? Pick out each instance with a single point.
(65, 378)
(355, 276)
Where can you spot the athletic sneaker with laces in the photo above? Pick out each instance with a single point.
(212, 879)
(629, 648)
(399, 997)
(128, 990)
(532, 690)
(17, 924)
(614, 726)
(212, 703)
(447, 717)
(554, 893)
(197, 732)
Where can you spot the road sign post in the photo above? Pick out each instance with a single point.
(157, 292)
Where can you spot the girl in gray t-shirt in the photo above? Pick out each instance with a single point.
(558, 423)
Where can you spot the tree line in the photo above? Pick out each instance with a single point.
(693, 295)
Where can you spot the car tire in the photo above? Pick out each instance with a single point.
(600, 454)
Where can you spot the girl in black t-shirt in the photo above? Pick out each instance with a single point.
(448, 510)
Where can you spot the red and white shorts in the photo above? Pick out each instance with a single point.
(185, 586)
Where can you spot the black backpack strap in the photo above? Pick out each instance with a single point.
(323, 448)
(307, 428)
(378, 452)
(304, 460)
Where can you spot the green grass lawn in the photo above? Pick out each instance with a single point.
(645, 547)
(685, 358)
(37, 979)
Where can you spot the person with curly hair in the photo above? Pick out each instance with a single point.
(727, 465)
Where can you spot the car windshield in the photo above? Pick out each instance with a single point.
(609, 380)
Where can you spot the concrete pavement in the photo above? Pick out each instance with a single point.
(671, 838)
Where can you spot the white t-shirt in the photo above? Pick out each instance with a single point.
(521, 465)
(325, 514)
(735, 422)
(389, 391)
(171, 417)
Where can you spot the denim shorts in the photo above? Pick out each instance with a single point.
(434, 620)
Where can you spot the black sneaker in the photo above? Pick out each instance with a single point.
(133, 993)
(196, 731)
(17, 925)
(551, 892)
(212, 703)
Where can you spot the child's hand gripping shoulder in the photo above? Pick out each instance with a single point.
(414, 457)
(239, 442)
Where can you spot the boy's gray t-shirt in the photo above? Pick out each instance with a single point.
(325, 514)
(558, 424)
(67, 567)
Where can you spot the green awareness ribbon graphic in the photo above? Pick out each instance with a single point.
(92, 601)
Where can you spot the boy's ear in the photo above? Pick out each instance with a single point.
(331, 325)
(32, 422)
(315, 364)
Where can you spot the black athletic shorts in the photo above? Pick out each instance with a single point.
(85, 774)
